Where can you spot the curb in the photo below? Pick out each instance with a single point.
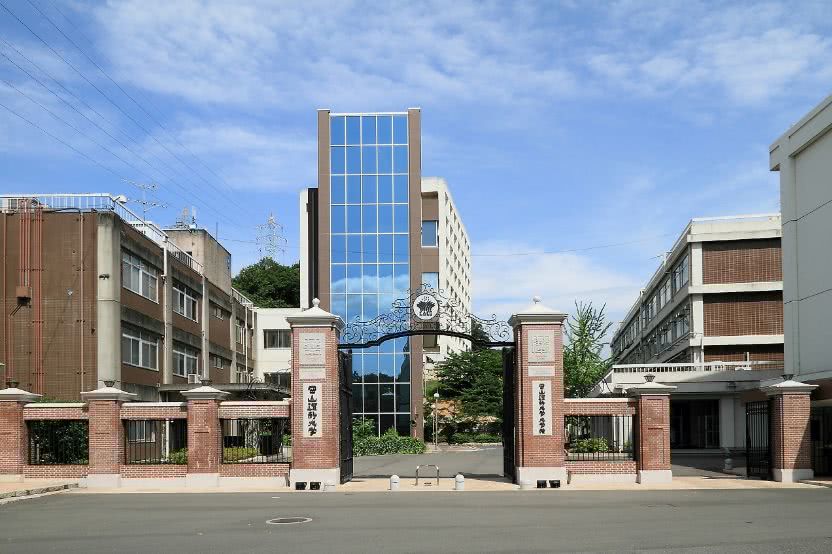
(826, 484)
(37, 491)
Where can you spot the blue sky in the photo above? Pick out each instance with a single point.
(558, 125)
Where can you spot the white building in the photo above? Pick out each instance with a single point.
(273, 344)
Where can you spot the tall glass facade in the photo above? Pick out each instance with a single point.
(370, 259)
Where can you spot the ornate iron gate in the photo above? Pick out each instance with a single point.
(345, 416)
(509, 385)
(758, 439)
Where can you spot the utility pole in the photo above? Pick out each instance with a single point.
(270, 240)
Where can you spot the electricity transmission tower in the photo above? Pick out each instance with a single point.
(270, 239)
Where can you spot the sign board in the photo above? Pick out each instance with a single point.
(541, 346)
(307, 373)
(312, 349)
(542, 407)
(312, 416)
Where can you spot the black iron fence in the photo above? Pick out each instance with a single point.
(821, 436)
(256, 441)
(58, 442)
(600, 438)
(156, 441)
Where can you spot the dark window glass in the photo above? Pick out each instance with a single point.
(357, 397)
(403, 424)
(387, 398)
(402, 398)
(370, 397)
(386, 421)
(430, 233)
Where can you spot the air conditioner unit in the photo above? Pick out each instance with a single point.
(193, 378)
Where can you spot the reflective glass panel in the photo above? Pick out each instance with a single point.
(387, 398)
(385, 129)
(385, 159)
(400, 189)
(353, 160)
(369, 218)
(385, 189)
(385, 248)
(337, 160)
(353, 248)
(353, 130)
(339, 193)
(385, 218)
(385, 281)
(339, 278)
(353, 219)
(430, 232)
(368, 189)
(368, 159)
(400, 159)
(368, 129)
(371, 368)
(353, 189)
(403, 398)
(338, 248)
(370, 397)
(339, 219)
(336, 130)
(399, 129)
(401, 223)
(370, 250)
(353, 278)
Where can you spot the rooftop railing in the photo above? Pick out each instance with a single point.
(90, 202)
(239, 297)
(698, 367)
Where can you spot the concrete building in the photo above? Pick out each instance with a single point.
(274, 346)
(93, 293)
(803, 158)
(717, 296)
(709, 322)
(371, 232)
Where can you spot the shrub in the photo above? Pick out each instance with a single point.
(389, 443)
(287, 440)
(590, 445)
(463, 438)
(178, 456)
(235, 454)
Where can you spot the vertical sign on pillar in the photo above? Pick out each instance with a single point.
(312, 416)
(542, 396)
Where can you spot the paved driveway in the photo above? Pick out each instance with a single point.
(485, 461)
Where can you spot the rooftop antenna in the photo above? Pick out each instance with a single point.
(146, 204)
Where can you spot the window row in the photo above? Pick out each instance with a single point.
(382, 422)
(384, 248)
(365, 306)
(368, 160)
(277, 338)
(185, 360)
(369, 189)
(380, 398)
(139, 348)
(381, 368)
(373, 218)
(139, 276)
(185, 301)
(370, 278)
(368, 129)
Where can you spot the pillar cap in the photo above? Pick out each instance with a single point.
(13, 394)
(204, 393)
(537, 313)
(108, 393)
(315, 317)
(787, 386)
(650, 387)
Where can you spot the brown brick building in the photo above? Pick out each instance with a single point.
(93, 293)
(717, 297)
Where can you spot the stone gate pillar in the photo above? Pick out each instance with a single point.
(106, 435)
(539, 441)
(791, 447)
(13, 433)
(315, 397)
(653, 431)
(204, 436)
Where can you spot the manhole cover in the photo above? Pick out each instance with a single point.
(288, 520)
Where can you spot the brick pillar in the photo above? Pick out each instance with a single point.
(13, 433)
(315, 397)
(791, 449)
(653, 424)
(204, 437)
(539, 440)
(106, 435)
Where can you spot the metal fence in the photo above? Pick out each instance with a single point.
(600, 438)
(156, 441)
(256, 441)
(58, 442)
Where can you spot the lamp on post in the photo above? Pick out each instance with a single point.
(435, 421)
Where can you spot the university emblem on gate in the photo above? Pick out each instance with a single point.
(425, 307)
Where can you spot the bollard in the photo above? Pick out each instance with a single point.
(526, 486)
(459, 482)
(394, 482)
(729, 463)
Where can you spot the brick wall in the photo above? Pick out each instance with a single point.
(748, 313)
(153, 471)
(741, 261)
(756, 353)
(265, 409)
(254, 470)
(791, 444)
(35, 411)
(106, 437)
(55, 472)
(12, 438)
(579, 406)
(175, 410)
(654, 432)
(203, 436)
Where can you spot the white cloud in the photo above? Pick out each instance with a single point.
(505, 284)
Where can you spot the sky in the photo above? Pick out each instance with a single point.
(593, 131)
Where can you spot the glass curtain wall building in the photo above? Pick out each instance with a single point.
(369, 252)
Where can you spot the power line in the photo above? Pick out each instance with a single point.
(103, 72)
(106, 97)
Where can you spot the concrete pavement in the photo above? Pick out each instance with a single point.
(774, 520)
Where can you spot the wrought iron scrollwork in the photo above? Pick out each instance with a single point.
(425, 310)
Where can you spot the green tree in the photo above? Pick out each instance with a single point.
(583, 364)
(479, 334)
(270, 284)
(475, 379)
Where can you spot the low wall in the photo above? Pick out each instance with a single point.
(55, 471)
(255, 470)
(600, 406)
(153, 471)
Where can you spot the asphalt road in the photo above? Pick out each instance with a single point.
(796, 520)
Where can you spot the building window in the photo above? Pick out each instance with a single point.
(185, 360)
(680, 274)
(218, 362)
(141, 431)
(277, 338)
(138, 276)
(184, 301)
(431, 279)
(217, 312)
(430, 232)
(240, 331)
(664, 294)
(244, 375)
(139, 348)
